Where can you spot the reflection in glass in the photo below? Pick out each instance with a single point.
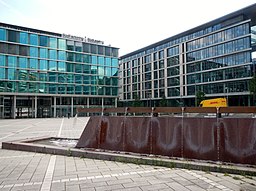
(33, 39)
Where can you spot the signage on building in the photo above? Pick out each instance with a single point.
(82, 39)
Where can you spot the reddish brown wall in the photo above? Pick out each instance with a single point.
(226, 139)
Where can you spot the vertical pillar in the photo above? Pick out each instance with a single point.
(72, 107)
(115, 102)
(102, 102)
(88, 104)
(54, 106)
(14, 107)
(35, 106)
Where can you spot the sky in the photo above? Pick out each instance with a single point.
(125, 24)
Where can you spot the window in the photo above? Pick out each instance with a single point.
(13, 36)
(43, 65)
(114, 72)
(108, 51)
(108, 71)
(11, 74)
(23, 38)
(86, 47)
(52, 65)
(94, 49)
(87, 69)
(3, 48)
(33, 52)
(53, 42)
(78, 68)
(78, 57)
(2, 34)
(161, 54)
(70, 67)
(94, 59)
(12, 61)
(33, 39)
(52, 77)
(101, 50)
(115, 52)
(2, 73)
(108, 62)
(114, 62)
(62, 44)
(23, 63)
(61, 55)
(61, 66)
(33, 63)
(12, 49)
(43, 41)
(101, 60)
(53, 54)
(2, 60)
(86, 58)
(23, 50)
(43, 53)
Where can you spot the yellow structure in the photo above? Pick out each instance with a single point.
(217, 102)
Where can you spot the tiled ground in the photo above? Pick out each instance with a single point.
(33, 171)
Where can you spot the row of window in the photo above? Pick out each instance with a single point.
(31, 87)
(235, 59)
(22, 62)
(225, 74)
(230, 73)
(226, 35)
(226, 48)
(156, 66)
(187, 37)
(228, 87)
(56, 55)
(33, 75)
(238, 86)
(55, 43)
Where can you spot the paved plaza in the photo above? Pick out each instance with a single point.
(34, 171)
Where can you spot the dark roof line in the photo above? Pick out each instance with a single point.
(29, 29)
(249, 10)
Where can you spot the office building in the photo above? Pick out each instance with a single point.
(47, 74)
(214, 58)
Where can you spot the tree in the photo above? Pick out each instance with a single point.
(200, 96)
(136, 102)
(252, 88)
(163, 102)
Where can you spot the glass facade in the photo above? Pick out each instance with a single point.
(215, 58)
(46, 64)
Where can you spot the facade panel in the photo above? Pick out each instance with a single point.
(52, 74)
(214, 58)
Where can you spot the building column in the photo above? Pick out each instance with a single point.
(88, 105)
(54, 106)
(72, 107)
(88, 102)
(14, 107)
(115, 102)
(102, 102)
(35, 106)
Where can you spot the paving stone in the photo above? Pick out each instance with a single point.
(154, 187)
(75, 173)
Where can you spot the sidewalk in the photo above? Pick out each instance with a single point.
(34, 171)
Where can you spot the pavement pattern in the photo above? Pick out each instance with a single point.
(43, 172)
